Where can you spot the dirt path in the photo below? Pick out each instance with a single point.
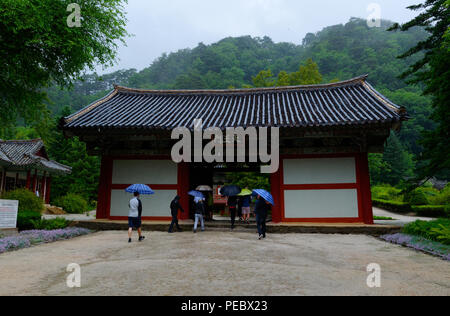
(219, 263)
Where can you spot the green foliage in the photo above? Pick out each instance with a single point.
(38, 48)
(307, 75)
(387, 192)
(250, 180)
(398, 161)
(382, 218)
(437, 230)
(421, 196)
(28, 201)
(85, 169)
(432, 70)
(435, 211)
(442, 198)
(72, 203)
(25, 219)
(393, 206)
(50, 224)
(263, 79)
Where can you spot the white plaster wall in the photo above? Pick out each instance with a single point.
(319, 170)
(321, 203)
(156, 205)
(144, 172)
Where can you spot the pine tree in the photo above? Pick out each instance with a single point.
(398, 161)
(433, 70)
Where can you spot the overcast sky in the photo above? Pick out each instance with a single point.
(169, 25)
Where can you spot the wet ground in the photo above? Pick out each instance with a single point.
(222, 263)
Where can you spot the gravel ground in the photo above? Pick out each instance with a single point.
(399, 220)
(222, 263)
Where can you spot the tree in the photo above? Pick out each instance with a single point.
(85, 169)
(398, 162)
(264, 79)
(432, 70)
(283, 79)
(308, 74)
(38, 47)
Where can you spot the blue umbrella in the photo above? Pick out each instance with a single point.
(265, 195)
(230, 190)
(196, 194)
(140, 188)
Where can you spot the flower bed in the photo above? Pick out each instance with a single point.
(419, 244)
(33, 237)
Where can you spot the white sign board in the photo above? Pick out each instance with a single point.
(8, 213)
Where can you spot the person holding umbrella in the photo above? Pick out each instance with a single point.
(135, 212)
(264, 199)
(245, 197)
(174, 207)
(199, 213)
(231, 191)
(135, 217)
(209, 201)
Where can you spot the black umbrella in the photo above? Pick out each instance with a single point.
(230, 190)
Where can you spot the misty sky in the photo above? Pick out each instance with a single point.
(169, 25)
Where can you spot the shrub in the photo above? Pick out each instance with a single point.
(50, 224)
(443, 197)
(437, 230)
(386, 192)
(25, 219)
(417, 197)
(432, 210)
(394, 206)
(73, 203)
(28, 201)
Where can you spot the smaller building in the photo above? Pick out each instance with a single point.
(25, 164)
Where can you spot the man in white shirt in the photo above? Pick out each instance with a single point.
(134, 217)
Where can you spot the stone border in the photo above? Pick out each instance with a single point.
(371, 230)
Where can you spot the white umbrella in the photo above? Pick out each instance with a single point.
(204, 188)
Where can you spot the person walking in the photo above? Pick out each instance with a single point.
(174, 207)
(261, 210)
(199, 213)
(246, 208)
(232, 205)
(239, 208)
(135, 217)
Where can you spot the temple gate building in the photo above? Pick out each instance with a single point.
(326, 134)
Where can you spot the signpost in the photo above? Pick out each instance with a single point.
(8, 214)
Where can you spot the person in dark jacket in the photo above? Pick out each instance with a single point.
(174, 207)
(232, 205)
(200, 212)
(261, 210)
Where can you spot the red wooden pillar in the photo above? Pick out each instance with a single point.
(365, 189)
(2, 178)
(48, 184)
(28, 180)
(104, 189)
(276, 182)
(17, 180)
(42, 192)
(183, 188)
(34, 181)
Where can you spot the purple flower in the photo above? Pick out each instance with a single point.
(28, 238)
(419, 244)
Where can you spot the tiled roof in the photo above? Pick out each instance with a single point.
(23, 153)
(349, 103)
